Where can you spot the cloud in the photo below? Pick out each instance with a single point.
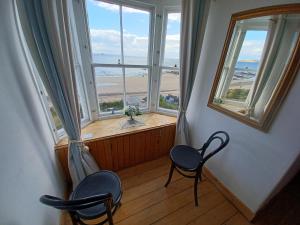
(175, 17)
(108, 42)
(115, 8)
(172, 46)
(252, 49)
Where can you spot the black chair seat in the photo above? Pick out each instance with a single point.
(186, 157)
(94, 184)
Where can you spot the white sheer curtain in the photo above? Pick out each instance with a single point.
(47, 31)
(276, 30)
(193, 22)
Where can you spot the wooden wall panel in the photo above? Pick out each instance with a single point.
(126, 146)
(120, 152)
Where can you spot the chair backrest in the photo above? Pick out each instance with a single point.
(215, 136)
(73, 205)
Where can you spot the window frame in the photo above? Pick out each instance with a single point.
(245, 29)
(80, 81)
(157, 30)
(167, 10)
(137, 5)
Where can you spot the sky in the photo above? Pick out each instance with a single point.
(253, 45)
(104, 24)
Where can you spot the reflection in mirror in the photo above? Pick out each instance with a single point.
(257, 56)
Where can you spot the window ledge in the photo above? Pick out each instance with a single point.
(107, 128)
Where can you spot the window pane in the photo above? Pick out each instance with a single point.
(109, 86)
(246, 68)
(172, 42)
(104, 24)
(57, 123)
(136, 83)
(81, 95)
(135, 35)
(169, 89)
(51, 112)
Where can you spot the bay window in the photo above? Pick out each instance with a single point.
(126, 53)
(134, 50)
(121, 59)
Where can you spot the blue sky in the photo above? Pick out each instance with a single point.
(104, 24)
(253, 45)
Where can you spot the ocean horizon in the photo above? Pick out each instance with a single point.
(248, 66)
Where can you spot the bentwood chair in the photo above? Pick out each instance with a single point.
(97, 195)
(189, 161)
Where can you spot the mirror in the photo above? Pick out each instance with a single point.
(259, 62)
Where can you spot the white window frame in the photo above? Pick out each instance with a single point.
(138, 5)
(57, 133)
(244, 28)
(158, 12)
(167, 10)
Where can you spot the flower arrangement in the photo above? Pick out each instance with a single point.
(131, 111)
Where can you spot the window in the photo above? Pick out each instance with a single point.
(169, 69)
(121, 54)
(242, 65)
(54, 121)
(245, 68)
(135, 55)
(256, 67)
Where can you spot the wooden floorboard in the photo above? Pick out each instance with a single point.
(146, 201)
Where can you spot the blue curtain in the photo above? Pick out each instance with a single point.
(193, 22)
(46, 29)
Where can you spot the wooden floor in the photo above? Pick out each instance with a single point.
(146, 201)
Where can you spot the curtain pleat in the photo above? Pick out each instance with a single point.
(264, 73)
(46, 29)
(193, 22)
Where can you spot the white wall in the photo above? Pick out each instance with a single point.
(254, 163)
(27, 165)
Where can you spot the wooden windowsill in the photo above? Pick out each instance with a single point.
(103, 129)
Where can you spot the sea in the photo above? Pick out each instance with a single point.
(131, 60)
(243, 69)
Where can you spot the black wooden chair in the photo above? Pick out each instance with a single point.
(96, 195)
(189, 160)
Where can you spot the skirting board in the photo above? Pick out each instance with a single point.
(229, 195)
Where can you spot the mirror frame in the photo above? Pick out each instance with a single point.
(284, 84)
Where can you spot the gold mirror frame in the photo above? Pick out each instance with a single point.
(284, 84)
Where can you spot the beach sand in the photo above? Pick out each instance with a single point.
(110, 88)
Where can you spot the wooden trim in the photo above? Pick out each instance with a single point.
(229, 195)
(285, 83)
(126, 150)
(117, 135)
(268, 10)
(111, 128)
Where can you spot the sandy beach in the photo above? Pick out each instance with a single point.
(110, 88)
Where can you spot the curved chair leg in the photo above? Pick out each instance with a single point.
(108, 212)
(73, 218)
(170, 174)
(196, 190)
